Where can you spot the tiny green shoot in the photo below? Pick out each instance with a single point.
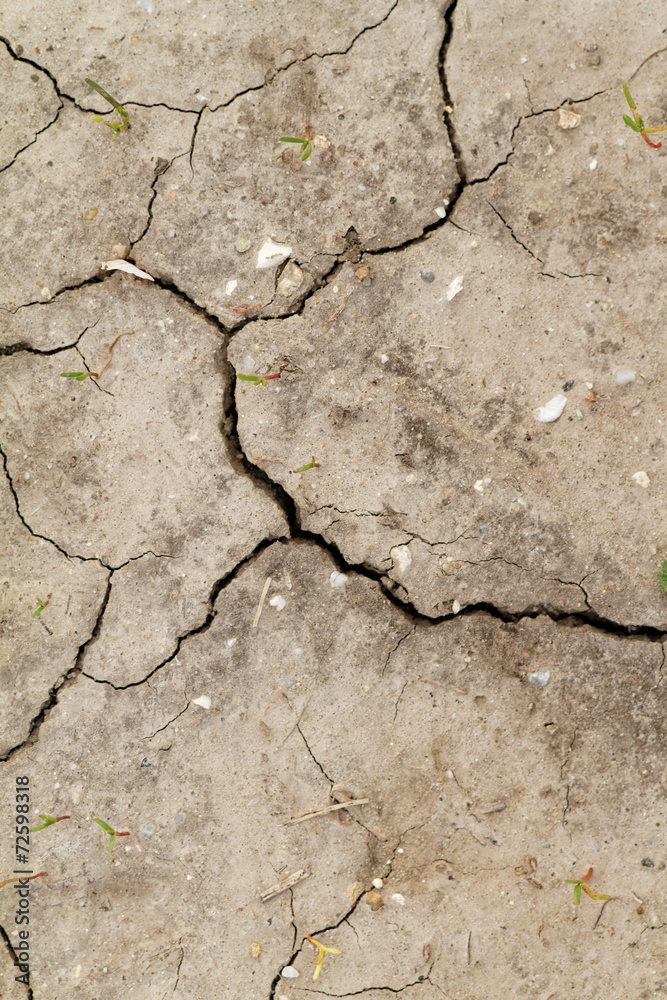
(580, 884)
(112, 833)
(262, 380)
(48, 821)
(306, 146)
(79, 376)
(321, 950)
(311, 465)
(39, 609)
(638, 124)
(662, 575)
(116, 127)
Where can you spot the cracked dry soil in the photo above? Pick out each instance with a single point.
(461, 620)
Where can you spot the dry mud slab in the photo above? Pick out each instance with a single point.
(378, 577)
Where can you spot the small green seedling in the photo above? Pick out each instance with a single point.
(262, 380)
(79, 376)
(638, 124)
(311, 465)
(321, 949)
(116, 127)
(39, 609)
(580, 884)
(662, 575)
(48, 821)
(306, 146)
(112, 833)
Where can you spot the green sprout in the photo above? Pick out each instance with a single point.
(638, 124)
(79, 376)
(112, 833)
(580, 884)
(262, 380)
(48, 821)
(119, 126)
(311, 465)
(306, 146)
(321, 949)
(662, 575)
(39, 609)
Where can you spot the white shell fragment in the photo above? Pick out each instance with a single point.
(455, 287)
(337, 580)
(540, 678)
(278, 602)
(271, 254)
(204, 701)
(124, 265)
(289, 972)
(567, 118)
(552, 410)
(625, 375)
(642, 480)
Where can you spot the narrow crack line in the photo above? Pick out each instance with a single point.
(162, 728)
(178, 970)
(25, 524)
(369, 989)
(354, 931)
(12, 953)
(449, 121)
(296, 931)
(216, 589)
(515, 237)
(392, 651)
(398, 700)
(313, 55)
(68, 677)
(46, 352)
(300, 730)
(95, 279)
(33, 140)
(194, 139)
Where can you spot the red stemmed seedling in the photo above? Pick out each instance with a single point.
(262, 380)
(321, 950)
(638, 124)
(580, 883)
(48, 821)
(112, 833)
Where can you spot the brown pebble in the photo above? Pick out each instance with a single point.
(374, 900)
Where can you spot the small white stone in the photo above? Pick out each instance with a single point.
(337, 579)
(377, 883)
(290, 280)
(481, 483)
(456, 607)
(540, 678)
(384, 358)
(455, 287)
(567, 118)
(592, 165)
(271, 254)
(289, 972)
(230, 642)
(625, 375)
(642, 480)
(230, 286)
(441, 212)
(402, 558)
(278, 602)
(552, 410)
(411, 479)
(397, 898)
(204, 701)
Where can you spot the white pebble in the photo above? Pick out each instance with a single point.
(592, 165)
(402, 558)
(540, 678)
(230, 286)
(440, 212)
(377, 883)
(337, 579)
(481, 483)
(204, 701)
(230, 642)
(642, 480)
(567, 118)
(289, 972)
(278, 602)
(384, 359)
(456, 607)
(625, 375)
(455, 287)
(552, 410)
(271, 254)
(398, 898)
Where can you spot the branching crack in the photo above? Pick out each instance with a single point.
(392, 651)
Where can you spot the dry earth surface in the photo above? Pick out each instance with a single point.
(453, 615)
